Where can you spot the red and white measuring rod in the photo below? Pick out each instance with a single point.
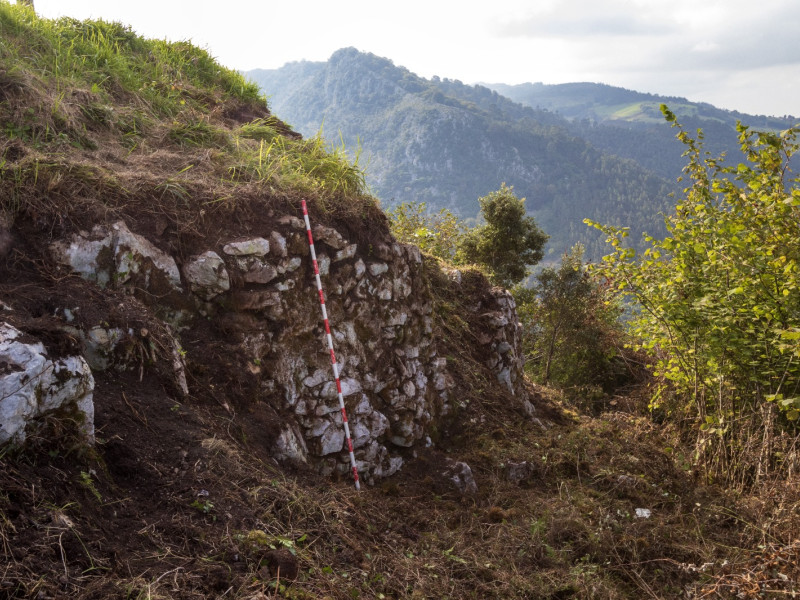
(330, 347)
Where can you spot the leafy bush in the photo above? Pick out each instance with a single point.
(572, 331)
(507, 243)
(719, 302)
(438, 234)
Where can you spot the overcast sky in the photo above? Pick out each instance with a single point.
(736, 54)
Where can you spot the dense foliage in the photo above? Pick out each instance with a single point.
(508, 242)
(504, 245)
(719, 301)
(572, 330)
(438, 233)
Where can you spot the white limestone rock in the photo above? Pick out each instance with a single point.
(290, 446)
(332, 440)
(89, 254)
(349, 385)
(329, 236)
(360, 268)
(100, 343)
(366, 428)
(32, 385)
(115, 255)
(346, 252)
(206, 275)
(257, 246)
(460, 475)
(376, 269)
(319, 377)
(278, 245)
(135, 255)
(324, 264)
(255, 270)
(405, 431)
(290, 265)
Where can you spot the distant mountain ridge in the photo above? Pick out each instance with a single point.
(445, 143)
(630, 124)
(604, 103)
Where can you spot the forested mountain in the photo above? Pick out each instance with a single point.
(629, 123)
(445, 143)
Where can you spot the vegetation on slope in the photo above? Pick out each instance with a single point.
(629, 124)
(719, 301)
(92, 104)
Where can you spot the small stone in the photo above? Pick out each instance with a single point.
(206, 275)
(291, 265)
(260, 272)
(290, 446)
(331, 441)
(346, 252)
(503, 347)
(349, 386)
(100, 346)
(460, 474)
(329, 236)
(278, 244)
(32, 384)
(360, 268)
(250, 247)
(376, 269)
(324, 264)
(319, 377)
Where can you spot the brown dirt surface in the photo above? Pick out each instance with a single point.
(178, 499)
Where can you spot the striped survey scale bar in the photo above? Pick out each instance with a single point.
(330, 347)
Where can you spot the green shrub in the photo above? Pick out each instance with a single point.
(507, 243)
(719, 301)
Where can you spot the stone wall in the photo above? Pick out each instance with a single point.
(259, 290)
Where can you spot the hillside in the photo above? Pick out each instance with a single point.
(629, 124)
(169, 426)
(447, 144)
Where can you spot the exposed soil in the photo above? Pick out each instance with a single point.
(179, 499)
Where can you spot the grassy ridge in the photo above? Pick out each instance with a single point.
(74, 90)
(113, 62)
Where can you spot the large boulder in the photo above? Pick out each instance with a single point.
(114, 255)
(33, 384)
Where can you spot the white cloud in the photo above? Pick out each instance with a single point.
(731, 49)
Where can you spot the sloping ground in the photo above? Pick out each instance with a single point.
(172, 503)
(180, 498)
